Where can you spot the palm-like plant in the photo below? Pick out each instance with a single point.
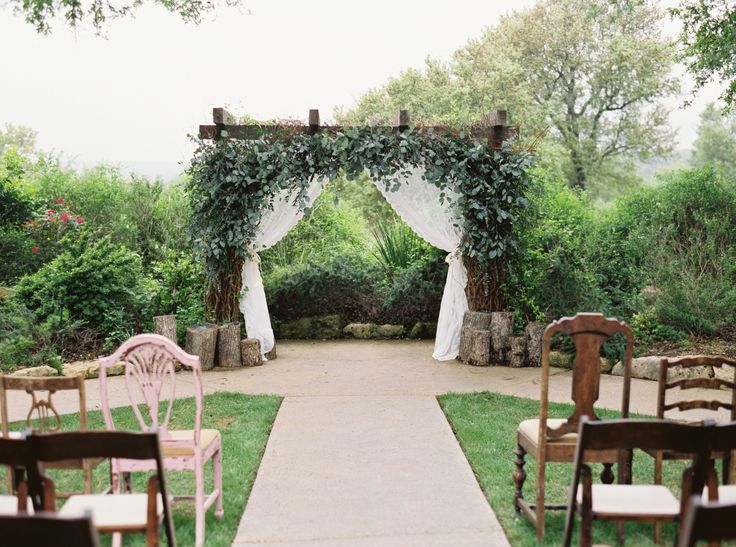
(396, 245)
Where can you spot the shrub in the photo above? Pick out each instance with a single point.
(396, 246)
(26, 341)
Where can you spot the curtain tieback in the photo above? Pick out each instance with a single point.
(254, 255)
(454, 255)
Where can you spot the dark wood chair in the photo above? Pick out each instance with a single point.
(664, 404)
(46, 416)
(707, 521)
(111, 513)
(626, 501)
(47, 529)
(14, 454)
(554, 440)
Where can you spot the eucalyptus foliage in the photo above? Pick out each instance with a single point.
(234, 181)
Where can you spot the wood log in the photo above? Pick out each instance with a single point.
(271, 355)
(201, 340)
(502, 328)
(480, 352)
(165, 325)
(472, 321)
(228, 345)
(250, 352)
(517, 351)
(533, 332)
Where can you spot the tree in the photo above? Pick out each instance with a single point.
(709, 43)
(41, 13)
(716, 141)
(592, 72)
(22, 138)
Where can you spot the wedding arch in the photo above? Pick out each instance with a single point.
(459, 189)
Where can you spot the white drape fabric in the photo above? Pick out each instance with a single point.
(417, 202)
(274, 225)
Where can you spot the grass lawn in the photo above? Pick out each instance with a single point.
(485, 425)
(244, 422)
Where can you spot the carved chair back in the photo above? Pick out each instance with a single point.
(48, 529)
(588, 331)
(688, 362)
(150, 380)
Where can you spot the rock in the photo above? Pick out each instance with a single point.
(90, 369)
(480, 349)
(517, 351)
(533, 333)
(424, 331)
(165, 325)
(560, 360)
(502, 328)
(472, 321)
(606, 365)
(202, 341)
(36, 372)
(250, 352)
(641, 367)
(363, 331)
(228, 345)
(680, 373)
(724, 372)
(323, 327)
(390, 331)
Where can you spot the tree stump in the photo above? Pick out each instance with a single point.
(502, 328)
(228, 345)
(202, 341)
(533, 333)
(250, 352)
(480, 352)
(165, 325)
(517, 351)
(271, 355)
(472, 321)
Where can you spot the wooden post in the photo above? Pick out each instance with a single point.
(313, 121)
(165, 325)
(402, 120)
(228, 345)
(221, 118)
(250, 352)
(501, 131)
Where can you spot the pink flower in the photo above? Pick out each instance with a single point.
(59, 200)
(34, 250)
(80, 220)
(64, 217)
(50, 211)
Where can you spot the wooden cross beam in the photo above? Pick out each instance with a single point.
(493, 126)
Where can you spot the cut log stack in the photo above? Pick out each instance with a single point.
(228, 345)
(165, 325)
(250, 351)
(202, 341)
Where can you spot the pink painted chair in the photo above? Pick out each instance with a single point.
(149, 366)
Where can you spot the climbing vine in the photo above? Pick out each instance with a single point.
(233, 181)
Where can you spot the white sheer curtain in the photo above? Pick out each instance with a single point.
(417, 202)
(274, 225)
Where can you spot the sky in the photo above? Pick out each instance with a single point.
(133, 97)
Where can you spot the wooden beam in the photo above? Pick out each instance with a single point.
(220, 116)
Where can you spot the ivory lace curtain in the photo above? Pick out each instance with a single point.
(417, 202)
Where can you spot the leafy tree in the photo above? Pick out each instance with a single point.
(593, 72)
(22, 138)
(41, 13)
(708, 40)
(716, 141)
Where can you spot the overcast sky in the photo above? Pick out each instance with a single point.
(133, 97)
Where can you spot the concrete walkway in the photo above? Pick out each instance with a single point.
(360, 453)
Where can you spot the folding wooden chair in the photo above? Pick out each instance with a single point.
(47, 418)
(553, 440)
(626, 501)
(111, 513)
(14, 454)
(707, 521)
(47, 529)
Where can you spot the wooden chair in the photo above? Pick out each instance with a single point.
(47, 418)
(665, 386)
(14, 454)
(48, 529)
(111, 513)
(707, 521)
(554, 440)
(625, 501)
(149, 362)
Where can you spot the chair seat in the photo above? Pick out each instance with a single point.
(559, 449)
(112, 512)
(640, 500)
(73, 464)
(9, 505)
(206, 438)
(726, 493)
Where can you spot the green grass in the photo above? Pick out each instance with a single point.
(485, 425)
(244, 422)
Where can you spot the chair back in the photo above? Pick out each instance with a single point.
(691, 361)
(13, 452)
(48, 529)
(588, 331)
(95, 444)
(149, 361)
(707, 521)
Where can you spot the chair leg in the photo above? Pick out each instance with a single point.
(607, 476)
(539, 509)
(519, 476)
(586, 508)
(199, 505)
(217, 481)
(658, 480)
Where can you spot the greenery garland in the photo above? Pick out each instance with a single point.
(233, 181)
